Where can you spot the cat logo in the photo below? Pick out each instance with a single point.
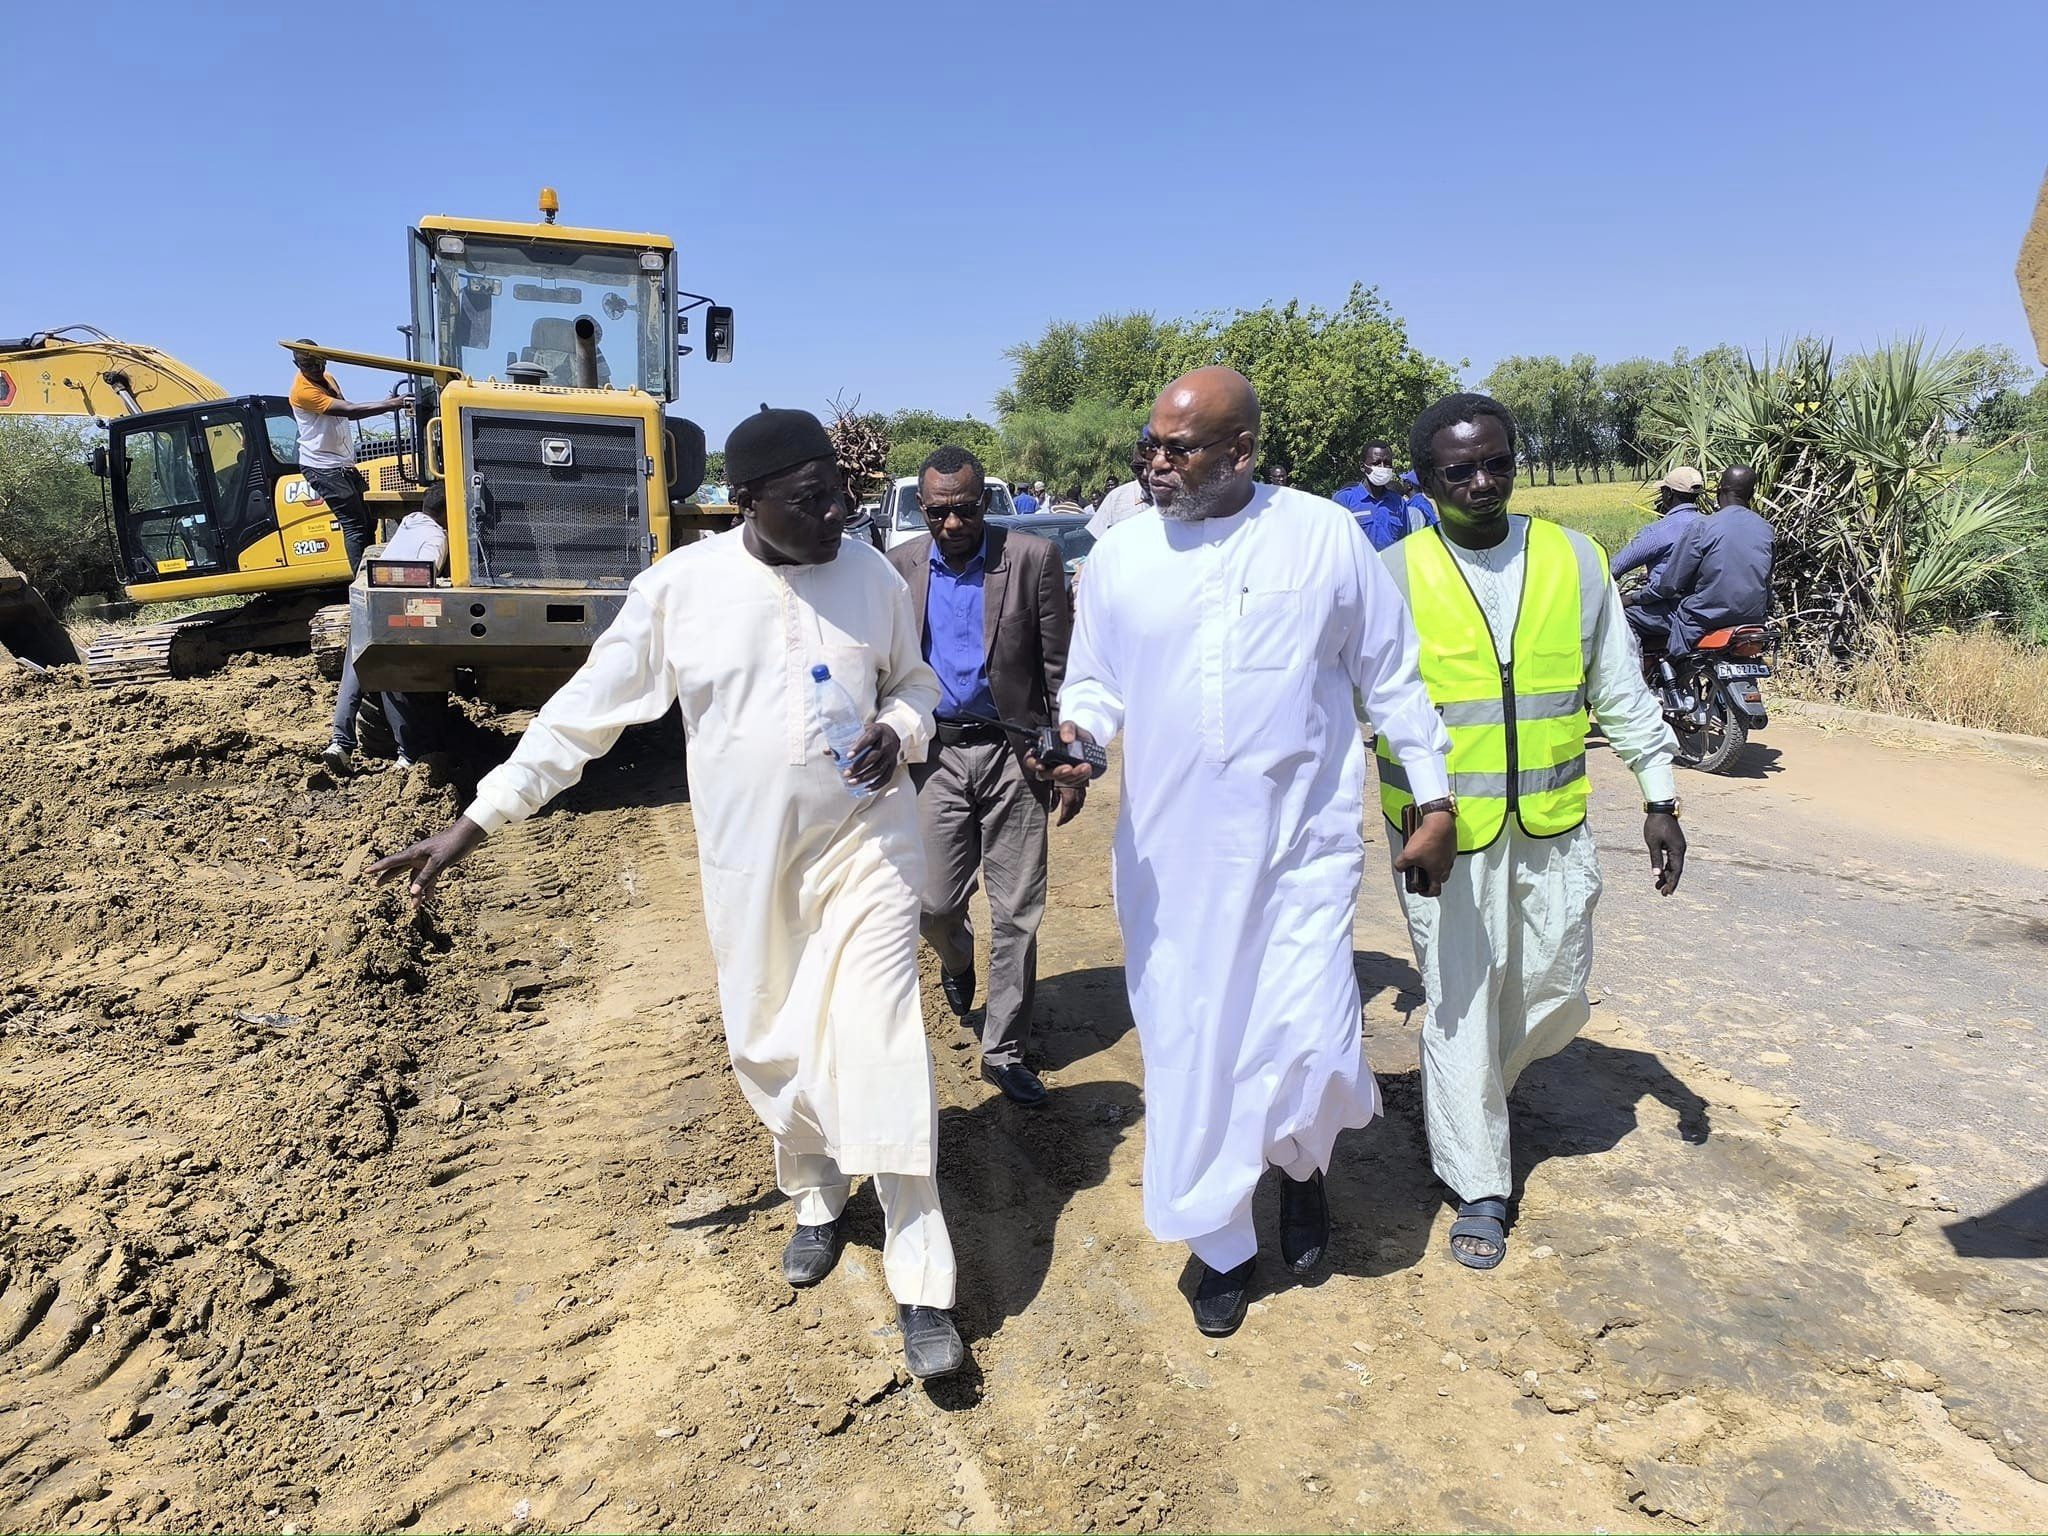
(557, 453)
(299, 489)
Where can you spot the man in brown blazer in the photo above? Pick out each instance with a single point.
(996, 617)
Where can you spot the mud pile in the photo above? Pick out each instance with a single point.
(211, 1029)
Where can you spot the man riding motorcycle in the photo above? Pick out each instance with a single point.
(1718, 574)
(1650, 551)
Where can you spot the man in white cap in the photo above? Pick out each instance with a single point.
(1678, 508)
(811, 868)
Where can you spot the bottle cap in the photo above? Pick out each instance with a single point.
(820, 672)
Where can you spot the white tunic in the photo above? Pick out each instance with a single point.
(1227, 653)
(1505, 952)
(810, 894)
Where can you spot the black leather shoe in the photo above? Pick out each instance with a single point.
(1222, 1296)
(1304, 1224)
(810, 1254)
(1019, 1083)
(931, 1344)
(959, 992)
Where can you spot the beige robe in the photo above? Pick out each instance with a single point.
(810, 894)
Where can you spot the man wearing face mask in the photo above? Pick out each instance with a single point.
(1522, 633)
(1387, 511)
(1227, 637)
(811, 869)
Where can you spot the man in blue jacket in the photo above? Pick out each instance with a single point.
(1678, 508)
(1387, 511)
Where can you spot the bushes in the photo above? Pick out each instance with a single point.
(51, 522)
(1978, 677)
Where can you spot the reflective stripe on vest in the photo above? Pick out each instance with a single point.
(1518, 732)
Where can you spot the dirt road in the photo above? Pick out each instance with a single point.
(315, 1215)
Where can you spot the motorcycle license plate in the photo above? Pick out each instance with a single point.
(1741, 669)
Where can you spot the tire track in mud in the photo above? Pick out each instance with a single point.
(461, 1222)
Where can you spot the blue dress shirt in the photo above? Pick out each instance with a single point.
(955, 642)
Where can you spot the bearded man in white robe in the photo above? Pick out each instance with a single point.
(811, 892)
(1227, 634)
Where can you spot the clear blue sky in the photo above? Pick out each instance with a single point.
(891, 194)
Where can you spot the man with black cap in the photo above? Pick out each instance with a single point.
(811, 869)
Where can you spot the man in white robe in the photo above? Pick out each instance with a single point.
(1227, 639)
(811, 893)
(1506, 948)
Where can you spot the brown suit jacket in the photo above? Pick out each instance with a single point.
(1026, 619)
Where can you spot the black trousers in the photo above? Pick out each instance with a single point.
(343, 491)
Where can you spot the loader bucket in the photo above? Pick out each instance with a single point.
(29, 631)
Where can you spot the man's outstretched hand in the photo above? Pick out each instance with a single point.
(427, 858)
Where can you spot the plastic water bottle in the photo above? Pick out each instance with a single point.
(842, 722)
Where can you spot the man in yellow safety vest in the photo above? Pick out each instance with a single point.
(1522, 634)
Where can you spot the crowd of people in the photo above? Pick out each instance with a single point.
(1232, 633)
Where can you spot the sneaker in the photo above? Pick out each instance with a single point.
(336, 759)
(404, 762)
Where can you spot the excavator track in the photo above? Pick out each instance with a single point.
(191, 647)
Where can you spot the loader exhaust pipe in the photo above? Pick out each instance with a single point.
(583, 358)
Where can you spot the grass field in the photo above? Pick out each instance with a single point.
(1611, 513)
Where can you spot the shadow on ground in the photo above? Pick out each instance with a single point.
(2017, 1229)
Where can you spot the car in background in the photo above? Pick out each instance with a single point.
(901, 520)
(1067, 530)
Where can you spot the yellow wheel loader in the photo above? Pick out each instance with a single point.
(546, 357)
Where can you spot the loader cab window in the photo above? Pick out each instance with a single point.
(497, 302)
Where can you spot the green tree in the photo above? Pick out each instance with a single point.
(913, 434)
(1538, 392)
(1071, 450)
(1329, 382)
(1857, 469)
(1113, 358)
(52, 522)
(1626, 390)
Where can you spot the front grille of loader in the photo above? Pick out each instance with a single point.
(555, 501)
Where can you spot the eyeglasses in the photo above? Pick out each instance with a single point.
(1500, 467)
(953, 508)
(1178, 453)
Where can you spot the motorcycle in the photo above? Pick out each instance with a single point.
(1713, 694)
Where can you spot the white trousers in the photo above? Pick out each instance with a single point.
(917, 1254)
(1505, 953)
(1230, 1246)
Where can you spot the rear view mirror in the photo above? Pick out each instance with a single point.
(473, 316)
(718, 334)
(98, 460)
(535, 293)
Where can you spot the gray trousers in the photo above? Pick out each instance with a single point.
(978, 813)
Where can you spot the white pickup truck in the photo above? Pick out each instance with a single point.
(901, 521)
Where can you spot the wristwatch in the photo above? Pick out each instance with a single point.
(1673, 808)
(1431, 807)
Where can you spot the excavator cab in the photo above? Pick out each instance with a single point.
(209, 500)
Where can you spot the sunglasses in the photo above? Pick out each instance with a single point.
(1178, 453)
(1499, 467)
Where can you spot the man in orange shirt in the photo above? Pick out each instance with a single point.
(327, 449)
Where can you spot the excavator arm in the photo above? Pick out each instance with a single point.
(80, 371)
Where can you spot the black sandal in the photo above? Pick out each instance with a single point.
(1482, 1221)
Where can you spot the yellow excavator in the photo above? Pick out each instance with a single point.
(205, 500)
(545, 358)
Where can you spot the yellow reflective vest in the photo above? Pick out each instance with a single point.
(1518, 723)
